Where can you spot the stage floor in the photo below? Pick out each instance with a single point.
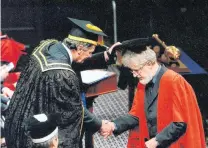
(109, 107)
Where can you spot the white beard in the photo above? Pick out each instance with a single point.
(146, 80)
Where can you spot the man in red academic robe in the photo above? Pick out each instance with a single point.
(165, 109)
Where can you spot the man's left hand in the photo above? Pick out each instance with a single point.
(152, 143)
(113, 46)
(110, 51)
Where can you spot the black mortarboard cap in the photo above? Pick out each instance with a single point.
(85, 31)
(42, 127)
(136, 45)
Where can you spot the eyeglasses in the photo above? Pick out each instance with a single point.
(136, 71)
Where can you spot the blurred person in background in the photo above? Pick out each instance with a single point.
(42, 129)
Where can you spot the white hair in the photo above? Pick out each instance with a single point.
(45, 144)
(68, 41)
(147, 56)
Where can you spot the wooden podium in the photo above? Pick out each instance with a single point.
(106, 85)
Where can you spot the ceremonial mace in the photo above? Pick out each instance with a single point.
(171, 53)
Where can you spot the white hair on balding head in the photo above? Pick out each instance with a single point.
(147, 56)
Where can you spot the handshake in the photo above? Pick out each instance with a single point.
(107, 128)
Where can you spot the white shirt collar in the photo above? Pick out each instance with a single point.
(69, 52)
(3, 36)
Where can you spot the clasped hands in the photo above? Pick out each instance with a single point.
(107, 128)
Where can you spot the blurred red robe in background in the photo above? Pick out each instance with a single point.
(11, 51)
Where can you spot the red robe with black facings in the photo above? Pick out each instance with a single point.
(176, 103)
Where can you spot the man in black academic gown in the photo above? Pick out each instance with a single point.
(48, 85)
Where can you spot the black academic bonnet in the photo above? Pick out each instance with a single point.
(42, 127)
(136, 45)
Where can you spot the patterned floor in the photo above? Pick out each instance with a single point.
(109, 107)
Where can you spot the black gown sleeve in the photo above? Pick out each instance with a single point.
(91, 122)
(65, 99)
(97, 61)
(63, 91)
(125, 123)
(171, 133)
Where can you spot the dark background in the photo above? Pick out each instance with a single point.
(30, 21)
